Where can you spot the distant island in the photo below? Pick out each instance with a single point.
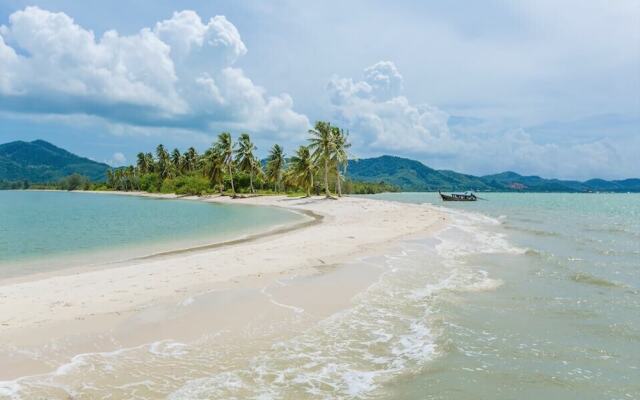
(42, 164)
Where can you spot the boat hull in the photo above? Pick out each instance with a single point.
(446, 197)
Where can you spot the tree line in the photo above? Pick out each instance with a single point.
(232, 167)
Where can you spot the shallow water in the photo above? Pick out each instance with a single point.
(41, 231)
(522, 296)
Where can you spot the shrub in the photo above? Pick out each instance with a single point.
(150, 182)
(168, 186)
(191, 185)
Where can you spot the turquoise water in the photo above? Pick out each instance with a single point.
(40, 231)
(521, 296)
(564, 322)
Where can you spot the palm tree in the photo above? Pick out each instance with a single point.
(275, 166)
(213, 168)
(245, 160)
(176, 160)
(302, 169)
(340, 155)
(190, 159)
(163, 161)
(225, 147)
(150, 162)
(111, 179)
(322, 146)
(118, 177)
(129, 178)
(144, 163)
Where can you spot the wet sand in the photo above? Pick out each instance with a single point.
(229, 288)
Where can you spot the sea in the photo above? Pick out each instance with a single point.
(521, 296)
(43, 231)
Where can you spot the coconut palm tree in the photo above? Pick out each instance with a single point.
(176, 160)
(151, 165)
(322, 146)
(340, 157)
(118, 177)
(111, 179)
(301, 170)
(225, 148)
(163, 161)
(190, 159)
(245, 159)
(275, 166)
(141, 163)
(130, 182)
(213, 168)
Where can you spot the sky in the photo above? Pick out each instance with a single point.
(538, 87)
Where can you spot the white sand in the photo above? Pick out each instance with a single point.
(351, 228)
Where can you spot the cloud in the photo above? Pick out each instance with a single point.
(382, 120)
(117, 159)
(180, 73)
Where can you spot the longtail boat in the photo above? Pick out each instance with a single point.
(466, 196)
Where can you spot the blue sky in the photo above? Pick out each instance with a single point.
(539, 87)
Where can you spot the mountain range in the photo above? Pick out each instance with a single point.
(411, 175)
(40, 161)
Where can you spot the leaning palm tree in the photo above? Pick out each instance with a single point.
(245, 159)
(275, 166)
(340, 157)
(322, 146)
(301, 170)
(225, 148)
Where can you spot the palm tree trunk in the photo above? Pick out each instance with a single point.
(339, 189)
(326, 177)
(233, 188)
(251, 182)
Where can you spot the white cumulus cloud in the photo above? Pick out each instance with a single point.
(117, 159)
(178, 73)
(381, 120)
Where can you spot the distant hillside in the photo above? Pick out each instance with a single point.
(40, 162)
(411, 175)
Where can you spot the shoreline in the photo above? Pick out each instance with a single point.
(313, 218)
(92, 302)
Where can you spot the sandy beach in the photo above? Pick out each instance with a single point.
(79, 306)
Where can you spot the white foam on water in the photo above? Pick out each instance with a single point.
(295, 309)
(168, 348)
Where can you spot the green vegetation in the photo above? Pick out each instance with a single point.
(231, 167)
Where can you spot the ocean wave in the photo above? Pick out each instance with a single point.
(583, 277)
(533, 231)
(392, 329)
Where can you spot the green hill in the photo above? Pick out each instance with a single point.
(41, 162)
(411, 175)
